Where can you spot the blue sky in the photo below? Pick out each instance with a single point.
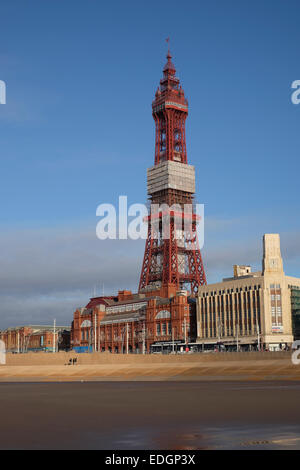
(77, 131)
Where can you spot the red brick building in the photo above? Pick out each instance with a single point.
(36, 338)
(156, 320)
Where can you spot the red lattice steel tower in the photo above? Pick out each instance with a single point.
(171, 256)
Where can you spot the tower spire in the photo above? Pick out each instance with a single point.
(169, 56)
(169, 68)
(168, 42)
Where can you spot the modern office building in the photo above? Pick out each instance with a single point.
(250, 309)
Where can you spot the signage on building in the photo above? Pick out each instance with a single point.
(277, 329)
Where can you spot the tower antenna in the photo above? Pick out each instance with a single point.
(168, 42)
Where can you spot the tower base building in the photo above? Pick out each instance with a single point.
(161, 320)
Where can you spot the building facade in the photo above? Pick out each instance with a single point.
(160, 320)
(249, 310)
(295, 301)
(36, 338)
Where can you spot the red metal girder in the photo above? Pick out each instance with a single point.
(160, 263)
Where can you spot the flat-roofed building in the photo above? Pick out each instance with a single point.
(251, 309)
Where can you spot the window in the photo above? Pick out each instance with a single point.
(158, 329)
(163, 314)
(164, 329)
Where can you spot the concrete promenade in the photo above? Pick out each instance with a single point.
(51, 367)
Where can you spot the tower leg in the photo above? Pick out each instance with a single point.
(196, 268)
(170, 257)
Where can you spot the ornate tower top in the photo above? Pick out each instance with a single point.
(169, 110)
(170, 88)
(169, 68)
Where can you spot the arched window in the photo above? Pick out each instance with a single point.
(163, 314)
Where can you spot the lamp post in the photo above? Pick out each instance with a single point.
(54, 336)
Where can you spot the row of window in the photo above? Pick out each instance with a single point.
(220, 318)
(230, 291)
(126, 308)
(275, 297)
(276, 310)
(161, 329)
(84, 334)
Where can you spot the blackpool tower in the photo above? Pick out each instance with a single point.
(172, 255)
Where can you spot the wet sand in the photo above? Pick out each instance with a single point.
(150, 415)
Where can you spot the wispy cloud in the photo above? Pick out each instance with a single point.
(52, 272)
(221, 255)
(47, 273)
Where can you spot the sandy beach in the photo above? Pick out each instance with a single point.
(218, 401)
(102, 367)
(150, 415)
